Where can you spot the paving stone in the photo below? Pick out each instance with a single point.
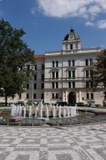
(84, 142)
(23, 157)
(63, 157)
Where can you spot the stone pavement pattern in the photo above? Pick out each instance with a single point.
(87, 142)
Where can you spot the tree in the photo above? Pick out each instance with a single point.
(99, 72)
(14, 53)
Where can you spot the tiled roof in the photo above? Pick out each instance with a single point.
(39, 56)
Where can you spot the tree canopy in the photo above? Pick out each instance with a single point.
(99, 72)
(14, 53)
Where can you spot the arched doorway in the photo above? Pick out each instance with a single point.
(71, 98)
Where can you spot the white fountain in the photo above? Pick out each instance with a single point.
(16, 110)
(54, 111)
(30, 111)
(60, 112)
(57, 111)
(24, 112)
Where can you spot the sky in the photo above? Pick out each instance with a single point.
(46, 22)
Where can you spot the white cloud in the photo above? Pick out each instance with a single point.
(87, 9)
(88, 23)
(61, 8)
(102, 24)
(95, 10)
(65, 8)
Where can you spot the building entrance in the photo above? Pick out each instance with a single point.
(71, 98)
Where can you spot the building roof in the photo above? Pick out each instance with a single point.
(71, 35)
(39, 56)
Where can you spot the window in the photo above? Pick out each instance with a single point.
(91, 61)
(71, 46)
(56, 84)
(69, 84)
(91, 84)
(86, 62)
(87, 74)
(52, 63)
(27, 86)
(52, 84)
(56, 95)
(42, 66)
(35, 77)
(42, 96)
(87, 95)
(92, 96)
(57, 74)
(73, 84)
(42, 76)
(53, 75)
(34, 85)
(73, 62)
(53, 96)
(91, 73)
(73, 74)
(34, 95)
(36, 67)
(87, 84)
(69, 74)
(27, 95)
(69, 63)
(56, 63)
(42, 85)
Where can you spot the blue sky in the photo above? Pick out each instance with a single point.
(46, 22)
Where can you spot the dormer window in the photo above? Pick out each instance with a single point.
(71, 41)
(71, 46)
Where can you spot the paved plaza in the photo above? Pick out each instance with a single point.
(83, 142)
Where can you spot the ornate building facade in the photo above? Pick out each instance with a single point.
(63, 75)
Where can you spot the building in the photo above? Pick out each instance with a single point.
(63, 75)
(67, 72)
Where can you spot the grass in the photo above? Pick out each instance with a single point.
(5, 114)
(4, 106)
